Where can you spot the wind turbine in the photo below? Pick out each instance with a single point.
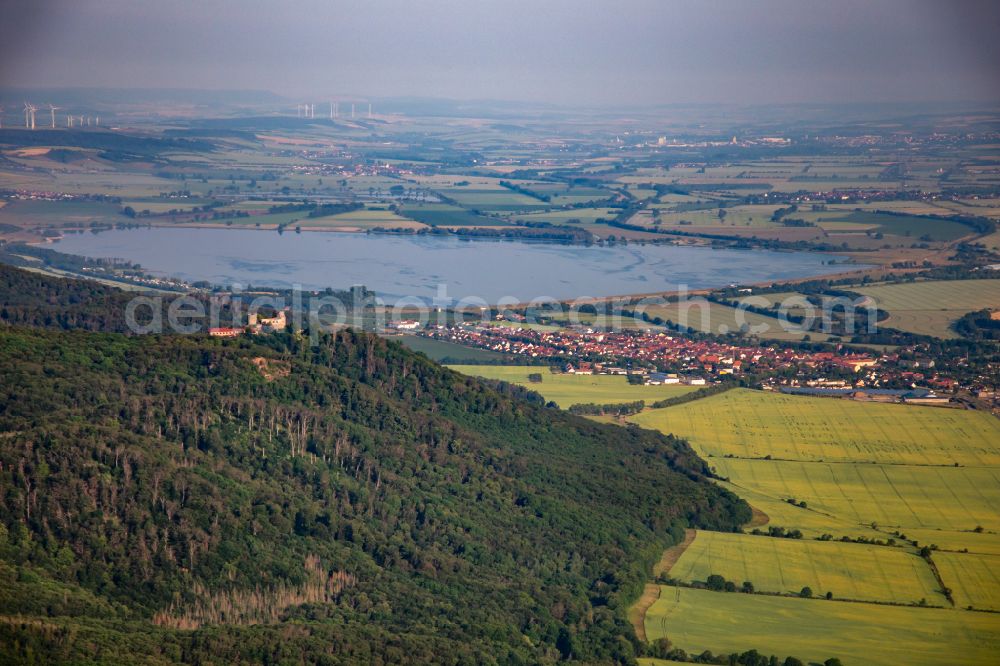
(29, 115)
(369, 110)
(52, 110)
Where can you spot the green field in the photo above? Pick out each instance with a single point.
(367, 218)
(892, 496)
(785, 566)
(810, 522)
(869, 470)
(929, 308)
(60, 213)
(494, 200)
(567, 390)
(571, 216)
(985, 543)
(703, 315)
(446, 215)
(974, 579)
(443, 351)
(814, 630)
(754, 424)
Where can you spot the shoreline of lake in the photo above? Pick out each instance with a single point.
(405, 266)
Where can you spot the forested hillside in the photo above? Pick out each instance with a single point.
(184, 498)
(34, 299)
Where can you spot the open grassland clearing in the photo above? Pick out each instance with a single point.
(785, 566)
(891, 496)
(570, 216)
(159, 206)
(498, 200)
(810, 521)
(112, 183)
(814, 630)
(566, 390)
(913, 493)
(981, 207)
(612, 321)
(357, 220)
(992, 241)
(703, 315)
(755, 424)
(974, 579)
(792, 302)
(910, 227)
(733, 216)
(72, 213)
(447, 215)
(984, 543)
(931, 307)
(448, 352)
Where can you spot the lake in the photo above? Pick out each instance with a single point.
(398, 266)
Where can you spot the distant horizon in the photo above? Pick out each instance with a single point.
(637, 53)
(323, 97)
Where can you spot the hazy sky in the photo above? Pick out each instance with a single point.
(577, 52)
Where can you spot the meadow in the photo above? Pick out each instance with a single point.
(974, 579)
(931, 307)
(890, 496)
(446, 215)
(566, 390)
(814, 630)
(785, 566)
(755, 424)
(921, 476)
(702, 315)
(358, 220)
(444, 351)
(570, 216)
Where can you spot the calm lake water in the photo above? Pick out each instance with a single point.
(419, 266)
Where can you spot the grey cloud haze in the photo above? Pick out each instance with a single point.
(635, 51)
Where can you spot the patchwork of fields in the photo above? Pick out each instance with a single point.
(892, 496)
(703, 315)
(754, 424)
(785, 566)
(814, 630)
(567, 390)
(930, 308)
(904, 476)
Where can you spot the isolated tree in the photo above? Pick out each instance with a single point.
(806, 592)
(716, 582)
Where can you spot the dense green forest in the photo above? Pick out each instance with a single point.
(181, 498)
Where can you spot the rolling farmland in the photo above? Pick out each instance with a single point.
(930, 308)
(920, 476)
(755, 424)
(892, 496)
(702, 315)
(974, 579)
(567, 390)
(785, 566)
(814, 630)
